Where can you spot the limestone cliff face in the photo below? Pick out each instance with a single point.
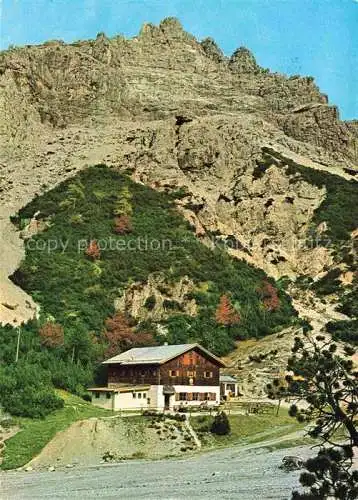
(156, 299)
(177, 113)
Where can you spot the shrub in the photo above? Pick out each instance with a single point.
(177, 416)
(25, 391)
(221, 424)
(349, 302)
(123, 224)
(123, 206)
(150, 303)
(171, 305)
(7, 423)
(153, 413)
(270, 297)
(120, 335)
(93, 251)
(52, 335)
(344, 331)
(329, 283)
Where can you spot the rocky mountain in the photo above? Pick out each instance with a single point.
(260, 158)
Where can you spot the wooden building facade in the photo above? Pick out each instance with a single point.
(178, 375)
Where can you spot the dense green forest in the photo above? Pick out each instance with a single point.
(103, 233)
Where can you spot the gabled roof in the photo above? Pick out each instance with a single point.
(157, 355)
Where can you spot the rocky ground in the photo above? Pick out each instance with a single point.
(232, 473)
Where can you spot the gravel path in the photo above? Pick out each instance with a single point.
(231, 473)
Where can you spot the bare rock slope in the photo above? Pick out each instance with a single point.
(176, 113)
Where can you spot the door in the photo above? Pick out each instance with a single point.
(166, 401)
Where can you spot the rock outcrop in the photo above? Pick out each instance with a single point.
(156, 299)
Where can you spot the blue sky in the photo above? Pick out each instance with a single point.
(309, 37)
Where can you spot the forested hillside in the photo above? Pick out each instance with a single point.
(97, 235)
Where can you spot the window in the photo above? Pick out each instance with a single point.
(139, 395)
(182, 396)
(108, 395)
(96, 395)
(134, 395)
(208, 374)
(173, 373)
(144, 395)
(195, 396)
(191, 373)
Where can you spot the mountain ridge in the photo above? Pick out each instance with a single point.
(177, 114)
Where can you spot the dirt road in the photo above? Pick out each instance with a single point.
(231, 473)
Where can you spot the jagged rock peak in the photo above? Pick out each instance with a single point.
(101, 36)
(212, 50)
(170, 27)
(171, 24)
(243, 61)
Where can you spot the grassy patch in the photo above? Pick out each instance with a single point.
(246, 429)
(36, 433)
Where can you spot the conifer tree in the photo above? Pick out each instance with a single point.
(122, 224)
(226, 314)
(270, 297)
(121, 335)
(52, 335)
(93, 251)
(327, 382)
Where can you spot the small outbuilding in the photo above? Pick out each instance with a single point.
(229, 387)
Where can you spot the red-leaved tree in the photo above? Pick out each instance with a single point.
(225, 313)
(120, 335)
(93, 251)
(123, 224)
(270, 297)
(52, 335)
